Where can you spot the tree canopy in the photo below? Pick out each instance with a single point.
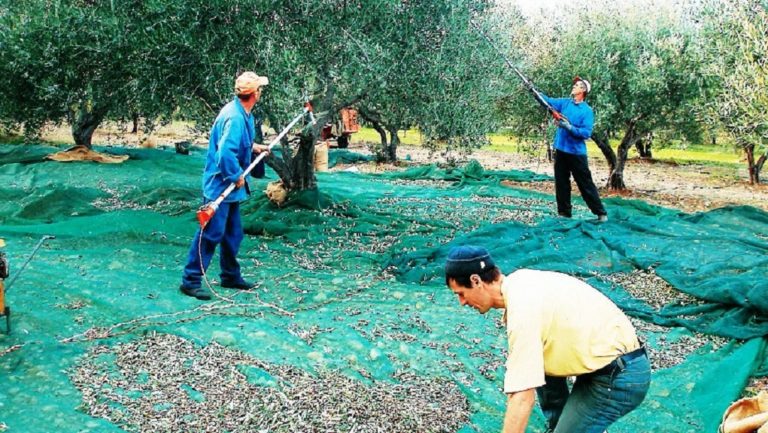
(405, 64)
(67, 61)
(640, 61)
(736, 47)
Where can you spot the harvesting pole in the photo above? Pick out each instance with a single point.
(205, 213)
(5, 311)
(526, 82)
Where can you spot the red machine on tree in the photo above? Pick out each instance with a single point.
(345, 127)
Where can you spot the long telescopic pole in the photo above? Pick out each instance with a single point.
(206, 212)
(29, 259)
(526, 82)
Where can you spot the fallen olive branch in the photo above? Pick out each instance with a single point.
(13, 348)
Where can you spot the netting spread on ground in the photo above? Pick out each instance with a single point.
(351, 304)
(170, 384)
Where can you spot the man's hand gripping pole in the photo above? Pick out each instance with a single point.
(205, 213)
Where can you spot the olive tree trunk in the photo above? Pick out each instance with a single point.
(387, 151)
(394, 142)
(296, 168)
(759, 166)
(754, 167)
(617, 160)
(84, 123)
(643, 146)
(601, 139)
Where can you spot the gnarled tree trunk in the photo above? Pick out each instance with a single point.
(616, 178)
(393, 143)
(84, 123)
(644, 144)
(304, 162)
(759, 166)
(387, 152)
(380, 154)
(601, 139)
(296, 168)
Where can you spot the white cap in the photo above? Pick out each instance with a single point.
(587, 84)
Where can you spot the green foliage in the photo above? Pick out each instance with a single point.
(61, 60)
(409, 61)
(442, 71)
(638, 57)
(736, 34)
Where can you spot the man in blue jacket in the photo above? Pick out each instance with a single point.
(229, 154)
(571, 151)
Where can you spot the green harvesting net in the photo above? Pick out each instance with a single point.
(351, 327)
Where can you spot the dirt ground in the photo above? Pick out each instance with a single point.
(688, 187)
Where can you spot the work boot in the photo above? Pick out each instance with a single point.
(602, 218)
(195, 292)
(239, 285)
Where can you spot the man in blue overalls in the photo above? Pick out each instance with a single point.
(229, 154)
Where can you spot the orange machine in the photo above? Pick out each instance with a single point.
(348, 126)
(349, 120)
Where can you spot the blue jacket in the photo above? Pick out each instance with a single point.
(581, 117)
(229, 151)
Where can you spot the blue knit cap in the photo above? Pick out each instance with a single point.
(467, 260)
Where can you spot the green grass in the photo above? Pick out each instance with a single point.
(691, 154)
(699, 154)
(369, 135)
(11, 138)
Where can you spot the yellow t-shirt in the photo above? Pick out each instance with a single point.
(561, 326)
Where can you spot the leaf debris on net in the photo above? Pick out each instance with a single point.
(166, 383)
(646, 285)
(666, 352)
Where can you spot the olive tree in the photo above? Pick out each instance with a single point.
(649, 79)
(402, 63)
(393, 60)
(736, 41)
(63, 61)
(642, 64)
(436, 74)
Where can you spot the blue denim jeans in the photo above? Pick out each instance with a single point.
(225, 229)
(597, 399)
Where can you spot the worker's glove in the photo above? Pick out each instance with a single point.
(565, 124)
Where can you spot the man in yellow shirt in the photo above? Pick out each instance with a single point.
(557, 326)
